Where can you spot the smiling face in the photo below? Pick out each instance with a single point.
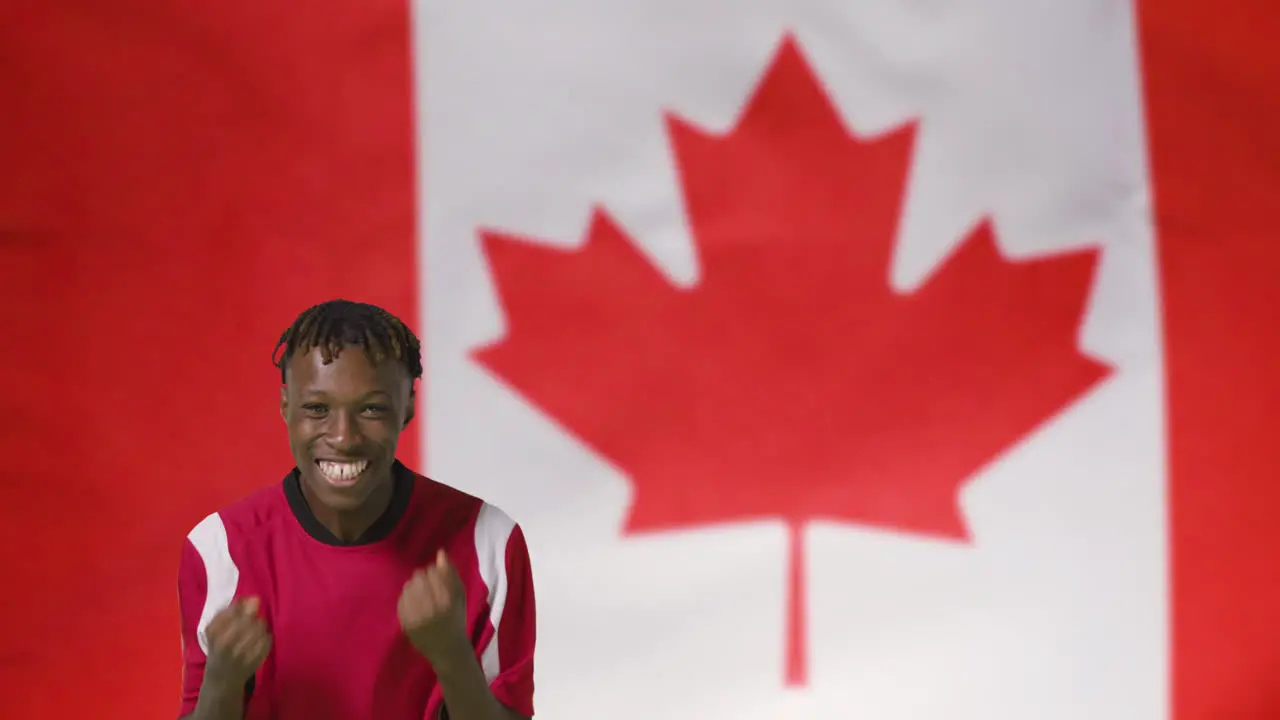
(344, 421)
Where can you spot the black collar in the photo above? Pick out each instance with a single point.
(401, 492)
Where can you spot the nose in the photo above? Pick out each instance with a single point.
(343, 433)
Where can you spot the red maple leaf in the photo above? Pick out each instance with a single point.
(791, 381)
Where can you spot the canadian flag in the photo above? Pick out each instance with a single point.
(840, 360)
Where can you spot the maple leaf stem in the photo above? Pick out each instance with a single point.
(797, 672)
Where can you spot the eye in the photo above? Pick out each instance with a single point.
(376, 410)
(315, 409)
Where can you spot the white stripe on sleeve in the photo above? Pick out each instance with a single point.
(210, 540)
(493, 529)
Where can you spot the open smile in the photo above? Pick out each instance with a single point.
(342, 473)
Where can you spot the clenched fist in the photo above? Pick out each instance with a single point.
(238, 643)
(433, 611)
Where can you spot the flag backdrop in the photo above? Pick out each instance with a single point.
(898, 361)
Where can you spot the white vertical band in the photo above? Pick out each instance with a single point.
(493, 529)
(209, 538)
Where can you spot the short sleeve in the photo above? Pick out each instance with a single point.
(192, 591)
(515, 631)
(207, 582)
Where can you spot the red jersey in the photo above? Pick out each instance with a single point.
(338, 650)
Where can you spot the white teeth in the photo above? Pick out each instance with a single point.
(342, 470)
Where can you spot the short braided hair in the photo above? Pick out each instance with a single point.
(337, 324)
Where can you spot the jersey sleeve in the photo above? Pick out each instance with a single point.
(193, 588)
(515, 631)
(208, 580)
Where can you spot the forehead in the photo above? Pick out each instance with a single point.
(350, 372)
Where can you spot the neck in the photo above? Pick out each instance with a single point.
(349, 526)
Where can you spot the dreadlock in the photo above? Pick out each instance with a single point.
(337, 324)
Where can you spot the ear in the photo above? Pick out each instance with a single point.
(412, 409)
(284, 403)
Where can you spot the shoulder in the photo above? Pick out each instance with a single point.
(227, 530)
(435, 494)
(490, 526)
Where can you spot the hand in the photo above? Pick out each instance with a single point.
(238, 643)
(433, 611)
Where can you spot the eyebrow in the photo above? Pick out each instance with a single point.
(367, 396)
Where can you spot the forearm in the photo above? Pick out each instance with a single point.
(218, 702)
(466, 692)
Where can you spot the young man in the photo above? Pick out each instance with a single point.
(355, 589)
